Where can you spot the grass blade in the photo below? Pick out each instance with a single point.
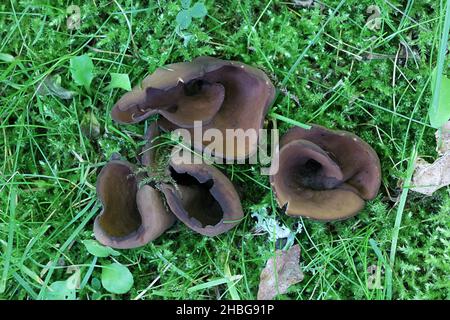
(434, 109)
(398, 221)
(9, 246)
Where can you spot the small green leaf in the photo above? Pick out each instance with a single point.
(59, 290)
(198, 10)
(82, 70)
(186, 4)
(96, 284)
(184, 19)
(440, 114)
(116, 278)
(120, 80)
(6, 57)
(99, 250)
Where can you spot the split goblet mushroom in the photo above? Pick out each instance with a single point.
(324, 174)
(204, 199)
(221, 94)
(201, 196)
(131, 216)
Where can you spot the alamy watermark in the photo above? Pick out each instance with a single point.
(234, 146)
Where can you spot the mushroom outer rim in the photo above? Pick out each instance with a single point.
(366, 146)
(281, 205)
(203, 70)
(208, 230)
(129, 241)
(118, 242)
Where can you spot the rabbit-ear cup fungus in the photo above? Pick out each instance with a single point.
(177, 92)
(248, 95)
(221, 94)
(324, 174)
(203, 198)
(131, 216)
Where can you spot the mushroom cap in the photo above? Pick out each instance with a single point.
(324, 174)
(175, 92)
(204, 199)
(131, 216)
(248, 95)
(222, 94)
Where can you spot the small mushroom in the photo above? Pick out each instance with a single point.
(324, 174)
(203, 198)
(221, 94)
(131, 216)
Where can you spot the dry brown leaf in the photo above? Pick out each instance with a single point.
(374, 21)
(280, 273)
(443, 139)
(374, 278)
(304, 3)
(429, 177)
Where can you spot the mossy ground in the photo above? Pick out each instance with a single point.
(52, 167)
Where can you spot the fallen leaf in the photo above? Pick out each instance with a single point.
(429, 177)
(303, 3)
(374, 20)
(74, 281)
(374, 278)
(280, 273)
(443, 139)
(51, 85)
(90, 126)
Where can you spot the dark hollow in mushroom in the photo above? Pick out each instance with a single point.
(203, 198)
(222, 94)
(131, 216)
(117, 189)
(325, 174)
(197, 199)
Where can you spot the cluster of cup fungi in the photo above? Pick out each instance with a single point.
(322, 174)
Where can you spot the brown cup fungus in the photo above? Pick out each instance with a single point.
(221, 94)
(131, 216)
(324, 174)
(202, 197)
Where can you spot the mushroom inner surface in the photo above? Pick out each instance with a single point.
(310, 174)
(197, 199)
(194, 87)
(118, 190)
